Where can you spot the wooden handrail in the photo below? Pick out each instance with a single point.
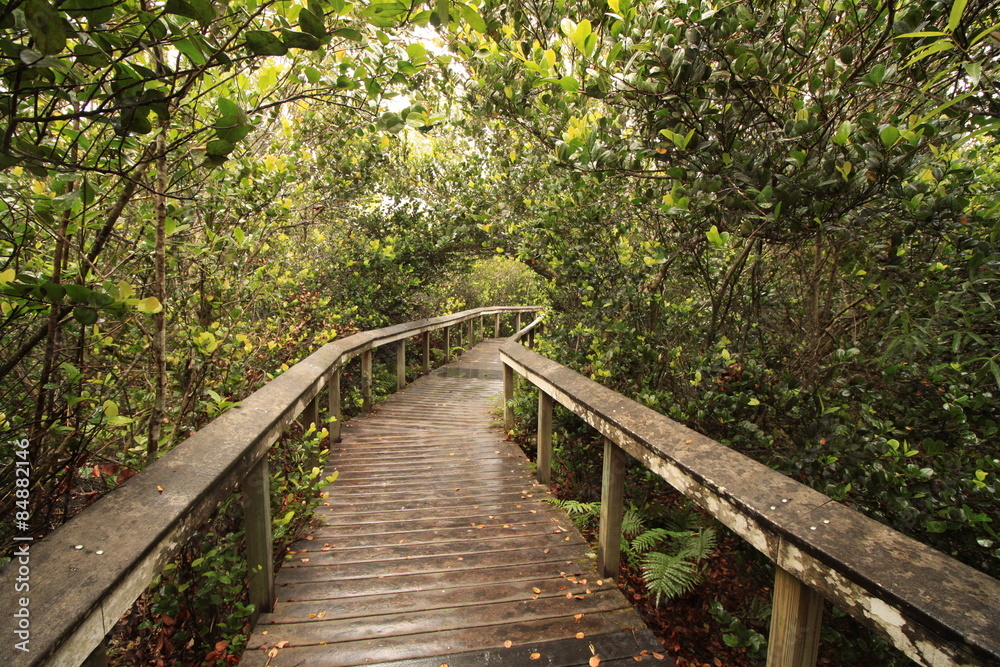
(935, 609)
(86, 574)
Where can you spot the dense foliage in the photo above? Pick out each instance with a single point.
(775, 222)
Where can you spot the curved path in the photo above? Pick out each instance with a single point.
(436, 547)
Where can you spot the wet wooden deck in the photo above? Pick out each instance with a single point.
(436, 547)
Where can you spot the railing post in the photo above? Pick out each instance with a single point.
(796, 620)
(366, 379)
(471, 325)
(98, 657)
(400, 364)
(425, 345)
(447, 344)
(257, 518)
(311, 414)
(496, 326)
(508, 396)
(517, 325)
(612, 508)
(335, 412)
(544, 438)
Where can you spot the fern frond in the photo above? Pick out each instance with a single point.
(646, 540)
(668, 576)
(633, 522)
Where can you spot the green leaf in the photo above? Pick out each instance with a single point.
(191, 50)
(7, 276)
(46, 27)
(843, 133)
(149, 305)
(349, 33)
(930, 49)
(219, 147)
(889, 136)
(569, 84)
(299, 40)
(312, 24)
(85, 316)
(201, 11)
(263, 43)
(956, 14)
(95, 11)
(442, 11)
(472, 17)
(79, 293)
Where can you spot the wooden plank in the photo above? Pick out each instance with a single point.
(400, 365)
(612, 510)
(334, 408)
(796, 621)
(425, 644)
(508, 396)
(396, 584)
(366, 380)
(257, 522)
(435, 540)
(544, 438)
(619, 648)
(425, 346)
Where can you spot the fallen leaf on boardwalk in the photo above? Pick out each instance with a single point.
(578, 616)
(452, 454)
(535, 656)
(534, 597)
(545, 551)
(508, 643)
(580, 635)
(160, 489)
(457, 488)
(537, 590)
(534, 511)
(658, 656)
(304, 560)
(273, 652)
(637, 658)
(595, 661)
(312, 615)
(321, 614)
(281, 644)
(600, 582)
(310, 537)
(583, 582)
(444, 664)
(569, 596)
(518, 506)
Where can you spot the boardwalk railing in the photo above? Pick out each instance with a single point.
(76, 584)
(933, 608)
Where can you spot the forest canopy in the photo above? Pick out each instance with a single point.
(776, 222)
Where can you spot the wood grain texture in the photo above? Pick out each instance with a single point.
(436, 546)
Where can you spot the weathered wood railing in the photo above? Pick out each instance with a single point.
(85, 575)
(933, 608)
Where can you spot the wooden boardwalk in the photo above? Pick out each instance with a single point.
(436, 547)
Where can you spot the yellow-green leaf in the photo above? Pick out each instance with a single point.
(149, 305)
